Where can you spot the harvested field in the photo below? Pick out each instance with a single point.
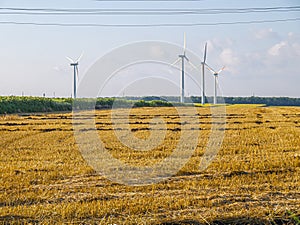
(253, 180)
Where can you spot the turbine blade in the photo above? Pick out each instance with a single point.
(210, 69)
(187, 59)
(184, 43)
(71, 60)
(176, 61)
(205, 50)
(79, 57)
(195, 67)
(221, 69)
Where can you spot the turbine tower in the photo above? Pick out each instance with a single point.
(75, 69)
(183, 57)
(203, 77)
(216, 74)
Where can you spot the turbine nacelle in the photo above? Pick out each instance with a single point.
(74, 64)
(183, 57)
(215, 73)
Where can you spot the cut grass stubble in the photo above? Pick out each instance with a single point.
(255, 176)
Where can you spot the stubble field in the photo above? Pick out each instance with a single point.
(254, 179)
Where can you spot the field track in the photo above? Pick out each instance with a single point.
(253, 180)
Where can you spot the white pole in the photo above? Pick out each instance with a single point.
(75, 81)
(215, 90)
(182, 81)
(203, 85)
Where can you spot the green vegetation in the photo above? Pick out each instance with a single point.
(268, 101)
(14, 104)
(295, 218)
(273, 101)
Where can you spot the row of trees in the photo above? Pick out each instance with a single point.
(269, 101)
(13, 104)
(274, 101)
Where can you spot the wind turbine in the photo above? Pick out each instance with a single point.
(183, 58)
(216, 74)
(75, 66)
(203, 77)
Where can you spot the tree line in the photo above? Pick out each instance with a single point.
(15, 104)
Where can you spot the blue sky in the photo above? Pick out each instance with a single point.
(260, 59)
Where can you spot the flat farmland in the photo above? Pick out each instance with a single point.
(254, 179)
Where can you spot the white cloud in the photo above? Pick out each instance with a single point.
(250, 63)
(285, 49)
(265, 34)
(223, 52)
(210, 46)
(296, 48)
(266, 57)
(277, 48)
(228, 57)
(62, 69)
(290, 34)
(157, 51)
(218, 44)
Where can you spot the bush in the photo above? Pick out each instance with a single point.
(13, 104)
